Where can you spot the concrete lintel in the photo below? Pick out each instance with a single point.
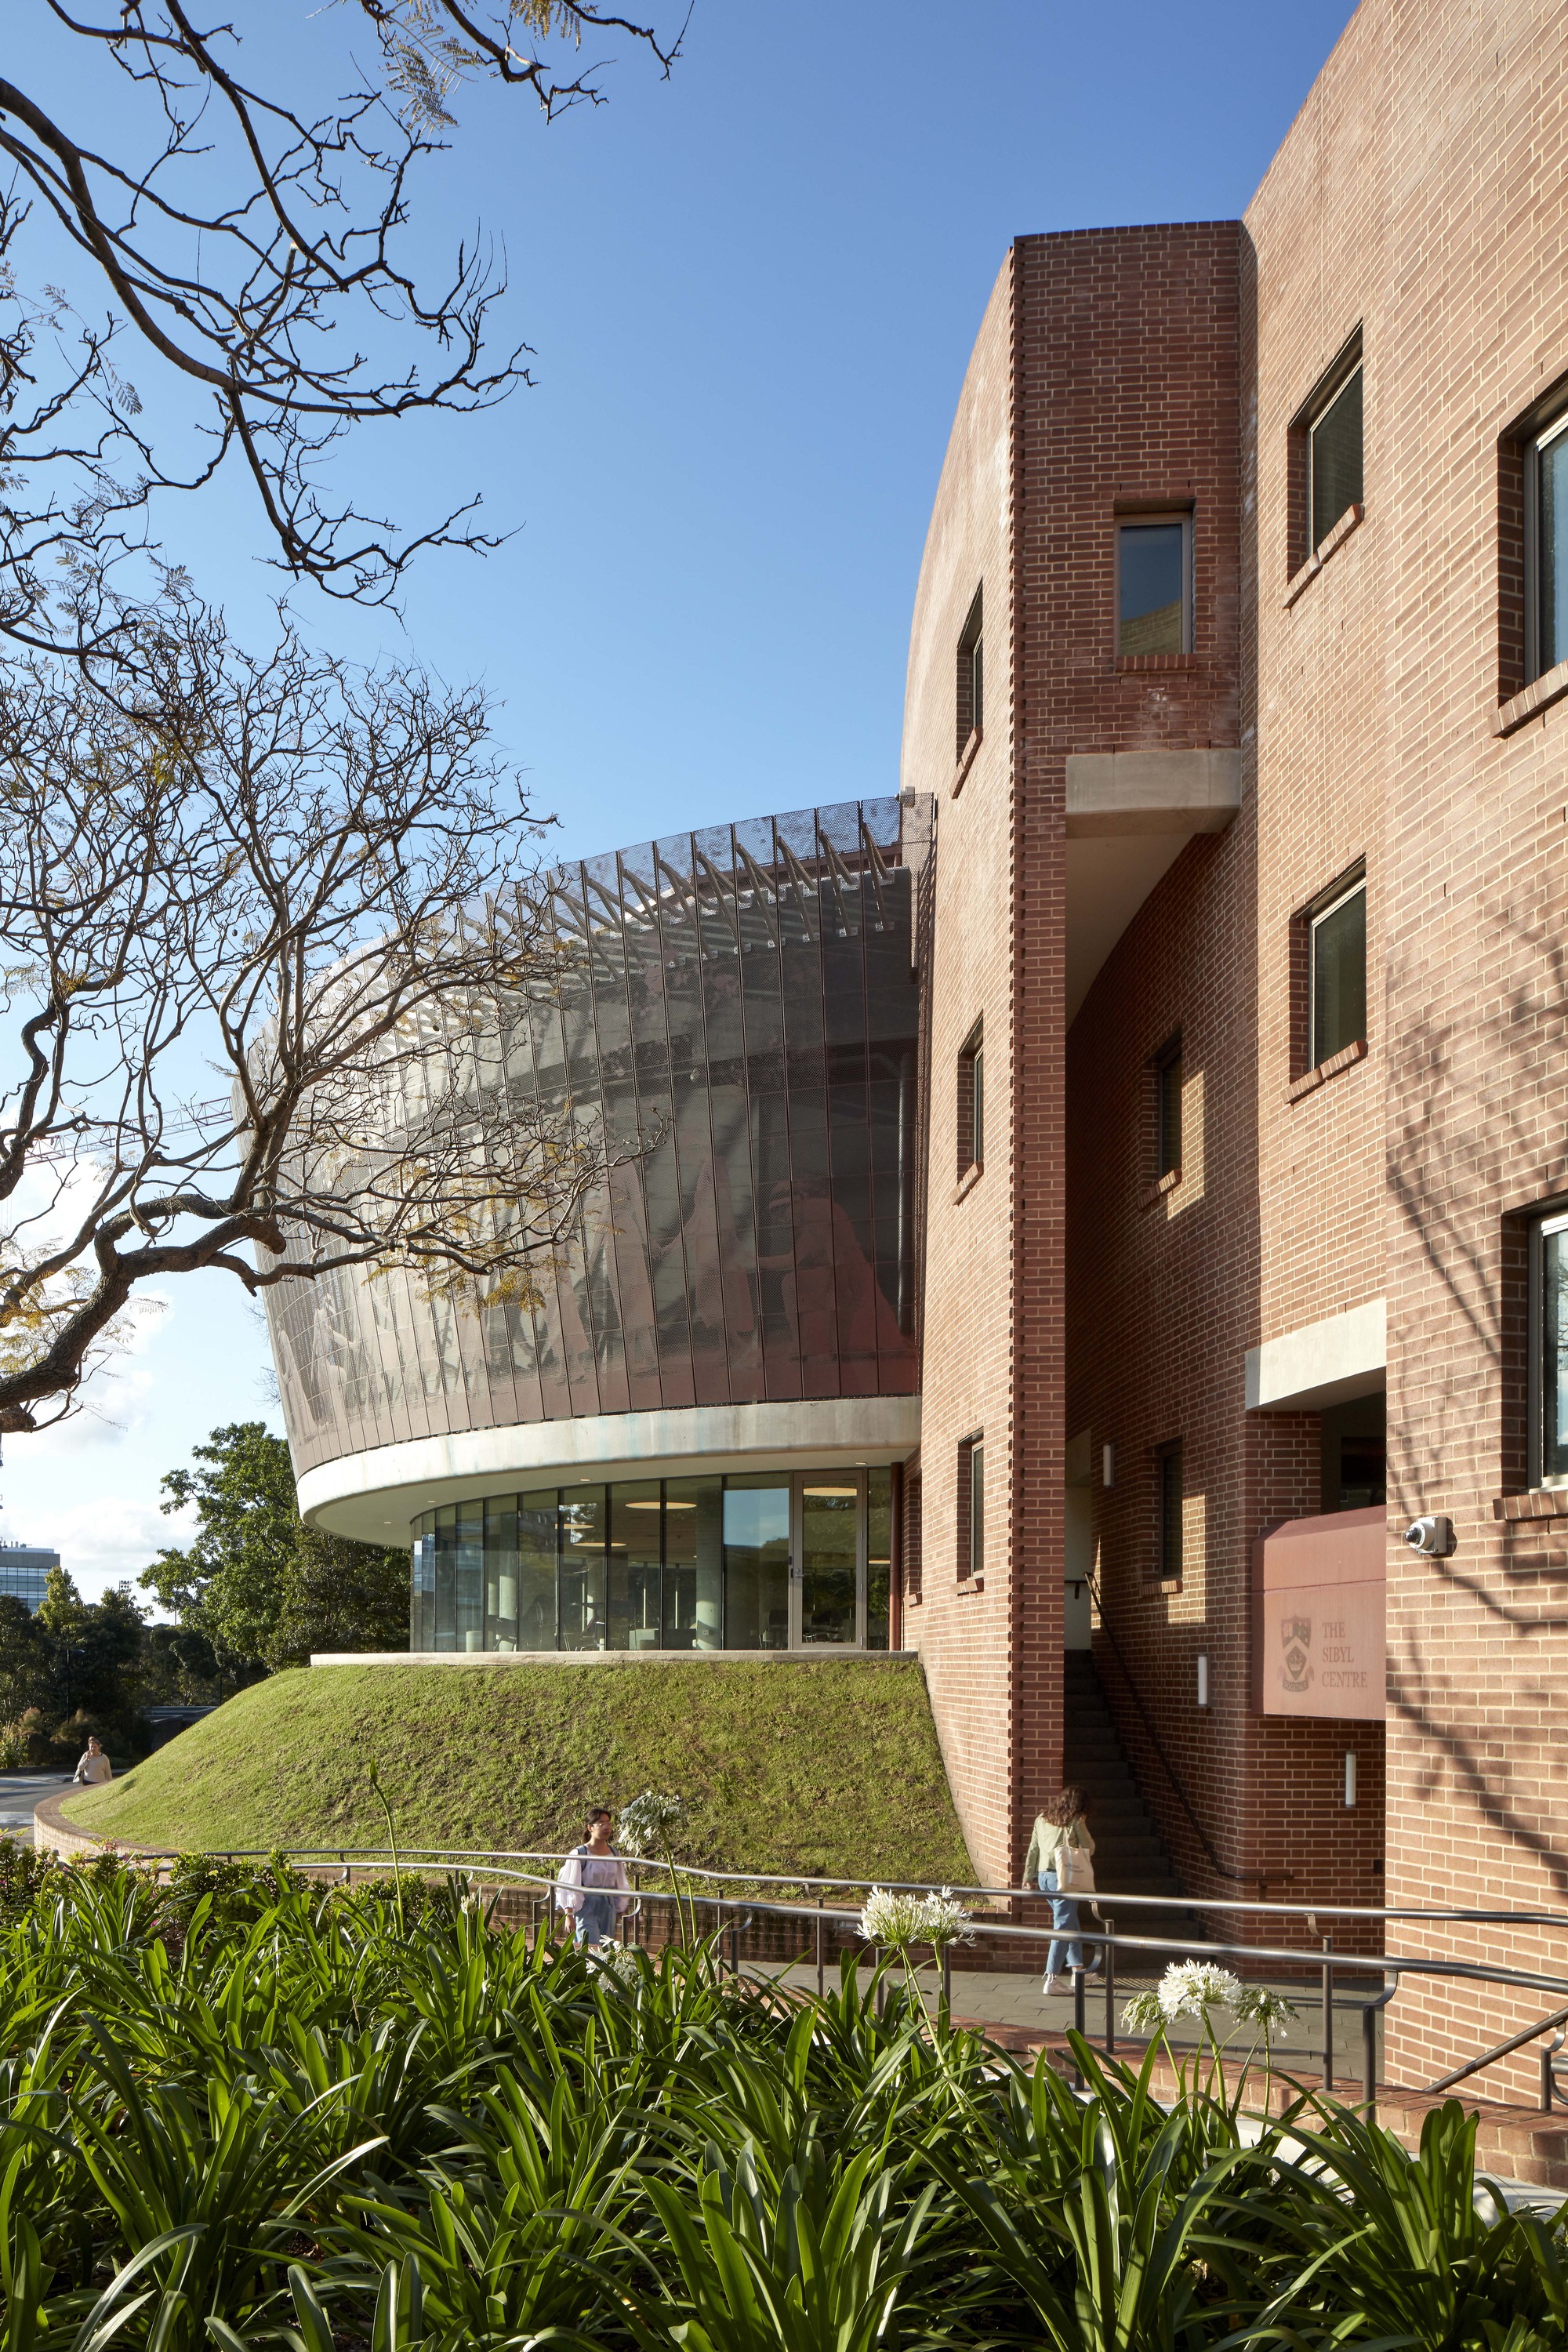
(1343, 1356)
(1151, 792)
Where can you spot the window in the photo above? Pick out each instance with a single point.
(1335, 457)
(1168, 1109)
(1337, 979)
(1168, 1512)
(1353, 1454)
(1154, 594)
(1549, 1350)
(1546, 548)
(972, 672)
(971, 1506)
(972, 1102)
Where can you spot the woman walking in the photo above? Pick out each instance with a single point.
(593, 1888)
(1059, 1863)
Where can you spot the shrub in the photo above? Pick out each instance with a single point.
(247, 2107)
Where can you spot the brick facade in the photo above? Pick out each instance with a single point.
(1419, 202)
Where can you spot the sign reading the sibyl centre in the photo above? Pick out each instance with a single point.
(1318, 1642)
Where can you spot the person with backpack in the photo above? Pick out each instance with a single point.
(1059, 1863)
(593, 1888)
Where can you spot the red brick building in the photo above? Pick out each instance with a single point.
(1237, 679)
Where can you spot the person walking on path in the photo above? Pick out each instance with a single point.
(593, 1888)
(95, 1766)
(1058, 1862)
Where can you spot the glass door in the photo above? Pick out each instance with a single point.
(829, 1583)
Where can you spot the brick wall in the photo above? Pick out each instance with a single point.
(1421, 192)
(965, 1636)
(1418, 198)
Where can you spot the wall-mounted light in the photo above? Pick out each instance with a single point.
(1203, 1680)
(1108, 1466)
(1350, 1776)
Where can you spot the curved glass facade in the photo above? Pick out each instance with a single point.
(745, 997)
(760, 1560)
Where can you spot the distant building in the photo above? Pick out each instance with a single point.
(23, 1571)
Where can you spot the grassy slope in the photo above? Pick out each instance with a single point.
(831, 1768)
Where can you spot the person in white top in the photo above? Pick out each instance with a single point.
(1060, 1832)
(95, 1766)
(593, 1888)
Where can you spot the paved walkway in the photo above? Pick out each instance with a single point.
(1005, 1998)
(19, 1792)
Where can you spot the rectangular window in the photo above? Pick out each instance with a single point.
(972, 1102)
(1153, 586)
(1335, 457)
(1337, 981)
(1168, 1109)
(1168, 1512)
(1548, 1351)
(972, 672)
(1546, 548)
(971, 1506)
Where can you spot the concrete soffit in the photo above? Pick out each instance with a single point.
(1129, 815)
(1324, 1363)
(373, 1496)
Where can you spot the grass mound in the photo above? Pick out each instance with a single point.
(831, 1768)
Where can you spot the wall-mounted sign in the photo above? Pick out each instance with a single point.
(1319, 1639)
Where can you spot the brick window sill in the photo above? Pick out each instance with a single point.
(1154, 1194)
(1539, 696)
(967, 1182)
(1345, 1059)
(1302, 580)
(1539, 1503)
(966, 762)
(1155, 664)
(967, 1584)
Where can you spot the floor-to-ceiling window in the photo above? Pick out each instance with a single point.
(760, 1560)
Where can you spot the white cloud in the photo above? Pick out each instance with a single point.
(109, 1541)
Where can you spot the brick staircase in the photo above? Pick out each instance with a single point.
(1129, 1858)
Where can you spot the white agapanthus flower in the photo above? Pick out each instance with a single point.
(1262, 2006)
(1142, 2013)
(649, 1821)
(1192, 1988)
(898, 1920)
(614, 1961)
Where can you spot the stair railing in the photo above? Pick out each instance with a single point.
(1262, 1879)
(1505, 2050)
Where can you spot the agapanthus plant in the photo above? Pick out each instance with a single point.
(896, 1920)
(648, 1825)
(1198, 1989)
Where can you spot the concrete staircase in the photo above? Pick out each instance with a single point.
(1130, 1857)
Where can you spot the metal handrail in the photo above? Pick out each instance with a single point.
(504, 1864)
(1502, 2050)
(1097, 1898)
(1263, 1878)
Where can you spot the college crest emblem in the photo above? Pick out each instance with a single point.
(1295, 1633)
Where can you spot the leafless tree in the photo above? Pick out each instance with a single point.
(270, 944)
(252, 246)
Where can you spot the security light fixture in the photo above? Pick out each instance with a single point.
(1203, 1680)
(1350, 1776)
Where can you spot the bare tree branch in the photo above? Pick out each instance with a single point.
(270, 953)
(258, 249)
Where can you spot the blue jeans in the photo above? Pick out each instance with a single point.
(1064, 1919)
(596, 1920)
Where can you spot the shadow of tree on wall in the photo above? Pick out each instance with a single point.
(1469, 1149)
(1412, 1688)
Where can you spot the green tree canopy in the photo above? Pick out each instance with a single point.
(258, 1586)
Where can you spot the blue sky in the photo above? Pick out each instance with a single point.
(752, 292)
